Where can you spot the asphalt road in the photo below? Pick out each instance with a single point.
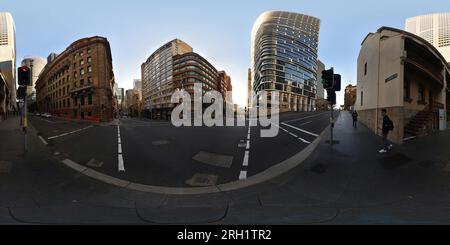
(159, 154)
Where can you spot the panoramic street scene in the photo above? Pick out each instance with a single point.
(257, 113)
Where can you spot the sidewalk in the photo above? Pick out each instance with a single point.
(409, 184)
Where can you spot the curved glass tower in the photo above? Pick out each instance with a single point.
(284, 58)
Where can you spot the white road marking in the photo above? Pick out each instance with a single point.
(246, 157)
(43, 140)
(243, 175)
(303, 124)
(121, 165)
(301, 130)
(292, 134)
(303, 118)
(65, 134)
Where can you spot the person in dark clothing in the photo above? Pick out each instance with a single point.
(355, 118)
(388, 125)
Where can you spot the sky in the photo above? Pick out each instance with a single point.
(218, 30)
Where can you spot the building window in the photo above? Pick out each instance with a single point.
(406, 90)
(89, 69)
(68, 102)
(89, 59)
(82, 100)
(89, 113)
(362, 98)
(81, 62)
(89, 80)
(82, 72)
(90, 99)
(89, 51)
(421, 92)
(81, 82)
(365, 69)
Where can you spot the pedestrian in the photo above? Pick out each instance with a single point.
(388, 126)
(355, 118)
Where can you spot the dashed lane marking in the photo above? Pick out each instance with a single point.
(121, 165)
(243, 175)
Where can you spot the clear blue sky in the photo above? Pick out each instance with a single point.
(218, 30)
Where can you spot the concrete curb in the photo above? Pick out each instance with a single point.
(270, 173)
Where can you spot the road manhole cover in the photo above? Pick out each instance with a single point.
(319, 168)
(394, 161)
(214, 159)
(160, 142)
(202, 180)
(5, 167)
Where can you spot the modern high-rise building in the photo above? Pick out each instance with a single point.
(7, 63)
(79, 83)
(434, 28)
(36, 64)
(320, 90)
(284, 58)
(157, 75)
(175, 66)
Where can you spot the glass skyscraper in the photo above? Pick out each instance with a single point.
(284, 58)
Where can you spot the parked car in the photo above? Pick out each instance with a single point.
(46, 115)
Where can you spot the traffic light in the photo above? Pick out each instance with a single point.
(331, 97)
(22, 92)
(337, 82)
(327, 78)
(24, 76)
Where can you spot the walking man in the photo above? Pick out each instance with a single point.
(355, 118)
(388, 126)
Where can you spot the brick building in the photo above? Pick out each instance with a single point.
(79, 82)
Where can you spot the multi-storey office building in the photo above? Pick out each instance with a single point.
(7, 63)
(284, 58)
(175, 66)
(79, 83)
(434, 28)
(157, 77)
(224, 83)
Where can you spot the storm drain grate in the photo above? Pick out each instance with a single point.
(202, 180)
(94, 163)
